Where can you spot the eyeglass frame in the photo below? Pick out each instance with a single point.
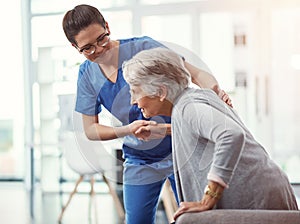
(95, 44)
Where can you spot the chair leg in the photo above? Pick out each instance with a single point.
(169, 201)
(119, 206)
(93, 200)
(92, 182)
(70, 198)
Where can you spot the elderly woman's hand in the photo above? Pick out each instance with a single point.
(153, 131)
(203, 205)
(135, 126)
(212, 194)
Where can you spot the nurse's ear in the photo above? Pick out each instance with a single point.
(163, 92)
(107, 27)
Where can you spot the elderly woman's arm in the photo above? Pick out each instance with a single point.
(218, 127)
(206, 80)
(228, 138)
(211, 196)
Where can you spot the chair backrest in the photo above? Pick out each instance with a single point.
(83, 155)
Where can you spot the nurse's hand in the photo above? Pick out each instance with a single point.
(223, 95)
(156, 131)
(136, 125)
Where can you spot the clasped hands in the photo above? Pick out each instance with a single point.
(148, 130)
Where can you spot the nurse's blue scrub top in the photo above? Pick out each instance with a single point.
(94, 90)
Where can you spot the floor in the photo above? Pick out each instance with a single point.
(15, 206)
(49, 199)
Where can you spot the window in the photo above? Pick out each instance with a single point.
(120, 23)
(46, 6)
(171, 28)
(216, 46)
(11, 94)
(285, 91)
(157, 2)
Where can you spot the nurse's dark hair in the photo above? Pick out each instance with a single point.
(79, 18)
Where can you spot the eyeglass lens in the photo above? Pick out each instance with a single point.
(101, 42)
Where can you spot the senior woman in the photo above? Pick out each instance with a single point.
(217, 162)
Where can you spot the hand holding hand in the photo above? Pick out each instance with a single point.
(138, 124)
(151, 131)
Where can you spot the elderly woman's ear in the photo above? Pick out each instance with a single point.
(162, 92)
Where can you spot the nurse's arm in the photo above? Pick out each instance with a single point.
(96, 131)
(205, 80)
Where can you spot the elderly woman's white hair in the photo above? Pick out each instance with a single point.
(151, 69)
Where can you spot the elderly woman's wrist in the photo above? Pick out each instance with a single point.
(212, 193)
(214, 190)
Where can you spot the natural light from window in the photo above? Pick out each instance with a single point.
(11, 91)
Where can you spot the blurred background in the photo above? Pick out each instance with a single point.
(251, 46)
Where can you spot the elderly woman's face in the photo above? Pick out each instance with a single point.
(149, 105)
